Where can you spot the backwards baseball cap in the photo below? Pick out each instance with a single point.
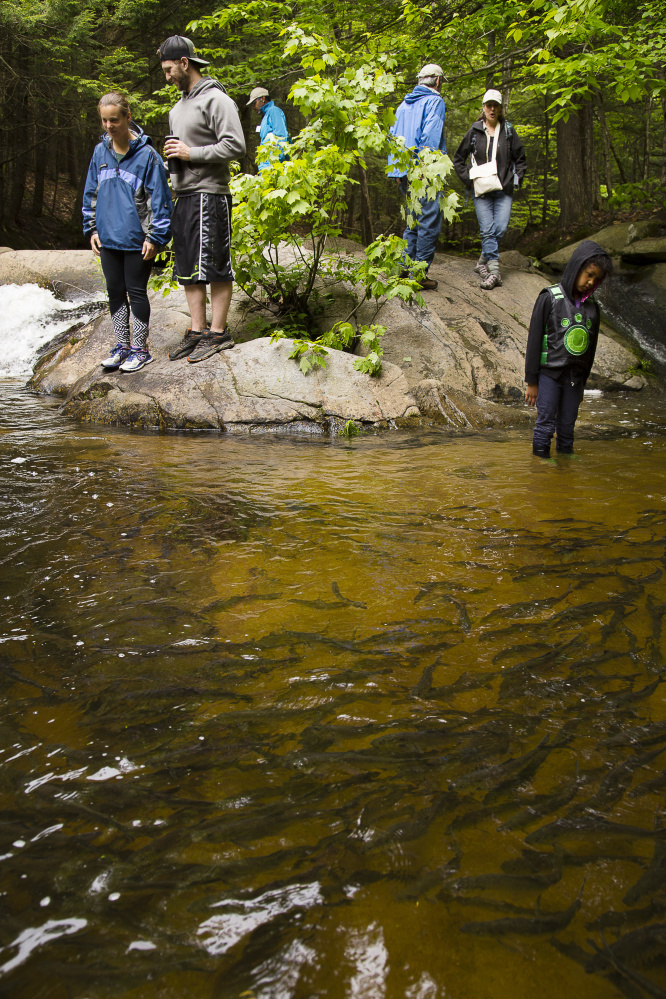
(178, 47)
(492, 95)
(432, 69)
(257, 92)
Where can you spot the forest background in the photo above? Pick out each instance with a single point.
(584, 83)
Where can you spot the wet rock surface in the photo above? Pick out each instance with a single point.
(458, 362)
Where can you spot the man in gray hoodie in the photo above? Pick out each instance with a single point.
(209, 135)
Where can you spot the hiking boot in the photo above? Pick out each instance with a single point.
(209, 344)
(492, 281)
(481, 268)
(186, 345)
(118, 354)
(137, 359)
(428, 284)
(541, 452)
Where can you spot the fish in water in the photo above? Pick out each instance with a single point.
(654, 878)
(592, 825)
(538, 922)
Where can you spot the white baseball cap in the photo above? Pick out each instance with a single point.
(257, 92)
(492, 95)
(431, 69)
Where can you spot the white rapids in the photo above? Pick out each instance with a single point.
(30, 316)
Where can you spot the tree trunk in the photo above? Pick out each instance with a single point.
(576, 166)
(608, 177)
(40, 174)
(490, 75)
(546, 144)
(648, 123)
(366, 211)
(663, 144)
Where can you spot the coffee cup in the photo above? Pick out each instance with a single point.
(173, 161)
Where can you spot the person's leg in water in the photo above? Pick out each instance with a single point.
(114, 275)
(136, 272)
(548, 405)
(572, 395)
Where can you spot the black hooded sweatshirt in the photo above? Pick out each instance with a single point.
(541, 311)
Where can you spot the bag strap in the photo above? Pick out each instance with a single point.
(493, 158)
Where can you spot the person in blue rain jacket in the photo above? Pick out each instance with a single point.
(273, 126)
(419, 121)
(127, 215)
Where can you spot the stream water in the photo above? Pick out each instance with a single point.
(287, 718)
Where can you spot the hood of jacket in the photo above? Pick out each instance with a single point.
(419, 92)
(139, 140)
(204, 84)
(587, 249)
(267, 106)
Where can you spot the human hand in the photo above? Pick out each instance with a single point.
(148, 250)
(174, 148)
(531, 395)
(95, 244)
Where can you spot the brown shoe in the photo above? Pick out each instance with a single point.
(186, 345)
(428, 284)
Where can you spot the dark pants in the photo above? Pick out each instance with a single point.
(557, 409)
(126, 274)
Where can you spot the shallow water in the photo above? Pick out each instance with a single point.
(295, 718)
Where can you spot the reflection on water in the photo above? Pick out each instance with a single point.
(286, 718)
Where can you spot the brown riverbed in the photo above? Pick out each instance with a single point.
(286, 717)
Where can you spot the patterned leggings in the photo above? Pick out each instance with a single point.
(126, 275)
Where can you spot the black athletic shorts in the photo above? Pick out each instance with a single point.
(201, 226)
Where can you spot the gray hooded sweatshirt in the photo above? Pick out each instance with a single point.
(206, 119)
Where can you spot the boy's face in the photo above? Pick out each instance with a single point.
(589, 276)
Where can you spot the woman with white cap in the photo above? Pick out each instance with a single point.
(273, 126)
(496, 170)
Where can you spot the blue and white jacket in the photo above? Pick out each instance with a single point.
(128, 202)
(420, 122)
(273, 128)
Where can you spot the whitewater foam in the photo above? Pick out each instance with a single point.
(30, 316)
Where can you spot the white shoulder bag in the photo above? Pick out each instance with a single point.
(484, 175)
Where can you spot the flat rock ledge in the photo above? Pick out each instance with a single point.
(253, 387)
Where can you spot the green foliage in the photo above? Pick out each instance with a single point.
(349, 430)
(285, 215)
(312, 353)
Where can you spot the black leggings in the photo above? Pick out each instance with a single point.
(126, 274)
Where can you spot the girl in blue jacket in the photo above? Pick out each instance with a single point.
(127, 214)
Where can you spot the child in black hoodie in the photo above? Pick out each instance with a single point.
(561, 344)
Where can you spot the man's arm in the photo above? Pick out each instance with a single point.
(223, 121)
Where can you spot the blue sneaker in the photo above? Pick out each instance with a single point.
(137, 359)
(117, 356)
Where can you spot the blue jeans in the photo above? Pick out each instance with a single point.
(557, 409)
(493, 211)
(422, 239)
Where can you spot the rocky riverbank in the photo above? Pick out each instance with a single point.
(459, 362)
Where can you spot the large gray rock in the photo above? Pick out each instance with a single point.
(72, 274)
(254, 386)
(460, 360)
(619, 239)
(472, 341)
(646, 251)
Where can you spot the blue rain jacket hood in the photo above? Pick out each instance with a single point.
(128, 202)
(420, 122)
(273, 125)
